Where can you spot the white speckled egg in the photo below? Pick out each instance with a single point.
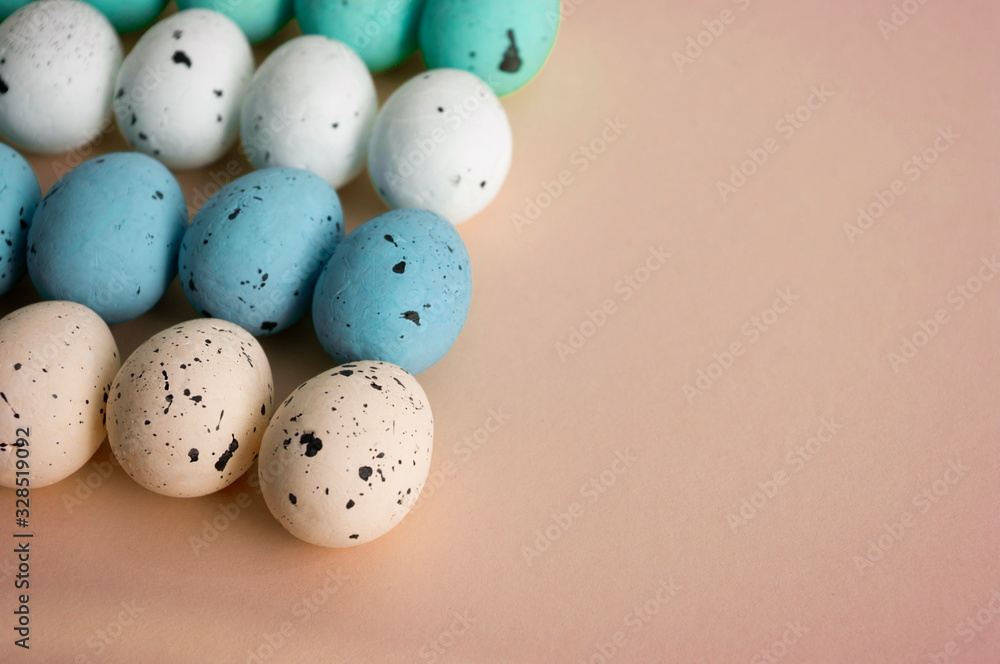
(346, 455)
(442, 143)
(179, 91)
(189, 407)
(57, 362)
(311, 105)
(58, 60)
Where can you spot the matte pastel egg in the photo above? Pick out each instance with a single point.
(397, 289)
(311, 105)
(19, 196)
(179, 91)
(58, 61)
(442, 142)
(382, 32)
(107, 235)
(189, 407)
(253, 252)
(504, 42)
(57, 362)
(130, 15)
(259, 19)
(346, 455)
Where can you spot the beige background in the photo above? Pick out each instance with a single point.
(116, 576)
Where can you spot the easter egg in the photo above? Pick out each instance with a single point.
(130, 15)
(311, 105)
(397, 289)
(382, 32)
(346, 455)
(107, 235)
(259, 19)
(503, 42)
(441, 142)
(189, 406)
(58, 61)
(253, 252)
(19, 196)
(57, 362)
(179, 91)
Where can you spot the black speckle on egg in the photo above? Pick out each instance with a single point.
(364, 472)
(412, 316)
(350, 504)
(400, 267)
(193, 454)
(312, 443)
(292, 499)
(181, 58)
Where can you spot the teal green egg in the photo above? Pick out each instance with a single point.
(8, 7)
(503, 42)
(19, 196)
(129, 15)
(259, 19)
(382, 32)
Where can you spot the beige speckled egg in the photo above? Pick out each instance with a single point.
(57, 361)
(346, 455)
(189, 407)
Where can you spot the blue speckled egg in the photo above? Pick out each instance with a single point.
(19, 196)
(130, 15)
(382, 32)
(397, 289)
(503, 42)
(255, 249)
(107, 234)
(259, 19)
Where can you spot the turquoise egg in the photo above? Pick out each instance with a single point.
(130, 15)
(259, 19)
(253, 252)
(382, 32)
(19, 196)
(397, 289)
(8, 7)
(503, 42)
(106, 235)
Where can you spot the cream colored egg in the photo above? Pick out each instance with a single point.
(57, 362)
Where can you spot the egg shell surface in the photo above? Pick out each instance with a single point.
(382, 32)
(259, 19)
(346, 455)
(441, 142)
(189, 407)
(57, 363)
(58, 61)
(179, 91)
(253, 252)
(130, 15)
(311, 105)
(19, 196)
(397, 289)
(107, 235)
(504, 42)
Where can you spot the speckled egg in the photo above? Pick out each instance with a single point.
(255, 249)
(311, 105)
(259, 19)
(130, 15)
(346, 455)
(443, 143)
(189, 407)
(382, 32)
(397, 289)
(504, 42)
(19, 196)
(107, 235)
(179, 91)
(57, 362)
(58, 60)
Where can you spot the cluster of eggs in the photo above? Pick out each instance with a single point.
(343, 458)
